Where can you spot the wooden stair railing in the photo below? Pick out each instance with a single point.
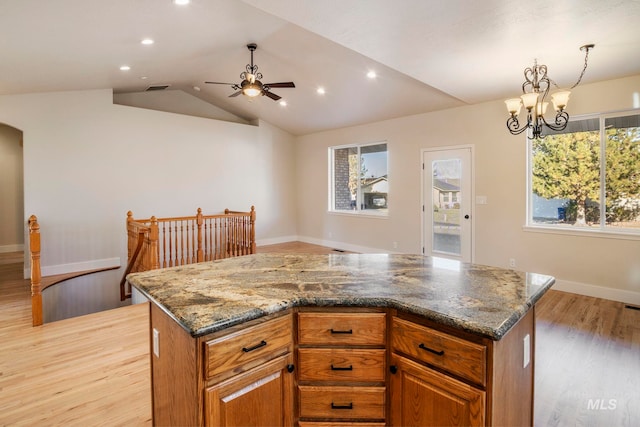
(40, 283)
(169, 242)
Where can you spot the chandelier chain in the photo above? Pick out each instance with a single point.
(586, 59)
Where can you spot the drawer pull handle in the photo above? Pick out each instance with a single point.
(333, 331)
(334, 406)
(424, 347)
(255, 347)
(341, 368)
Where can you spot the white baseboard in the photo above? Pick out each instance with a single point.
(621, 295)
(52, 270)
(11, 248)
(344, 246)
(276, 240)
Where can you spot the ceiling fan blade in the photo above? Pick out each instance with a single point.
(271, 95)
(235, 94)
(284, 84)
(220, 83)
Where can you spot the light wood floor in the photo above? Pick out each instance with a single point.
(94, 369)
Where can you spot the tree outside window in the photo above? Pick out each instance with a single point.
(572, 183)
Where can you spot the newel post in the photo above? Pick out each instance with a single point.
(253, 229)
(36, 275)
(199, 222)
(130, 247)
(154, 246)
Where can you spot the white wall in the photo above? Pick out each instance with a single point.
(175, 101)
(87, 162)
(11, 201)
(597, 266)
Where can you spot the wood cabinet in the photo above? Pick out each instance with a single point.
(424, 397)
(243, 375)
(445, 377)
(260, 397)
(342, 367)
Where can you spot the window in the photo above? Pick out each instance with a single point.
(358, 181)
(587, 176)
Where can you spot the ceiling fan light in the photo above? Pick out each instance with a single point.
(252, 89)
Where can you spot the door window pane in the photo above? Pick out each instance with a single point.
(446, 209)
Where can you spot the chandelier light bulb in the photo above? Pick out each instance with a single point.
(529, 100)
(514, 105)
(560, 99)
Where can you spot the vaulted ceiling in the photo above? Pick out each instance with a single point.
(427, 54)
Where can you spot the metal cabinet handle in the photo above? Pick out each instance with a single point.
(333, 331)
(334, 406)
(255, 347)
(436, 352)
(341, 368)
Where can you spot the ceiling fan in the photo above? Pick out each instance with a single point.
(251, 85)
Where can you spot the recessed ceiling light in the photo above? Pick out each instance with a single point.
(181, 2)
(124, 68)
(320, 91)
(143, 77)
(196, 88)
(147, 41)
(283, 103)
(372, 74)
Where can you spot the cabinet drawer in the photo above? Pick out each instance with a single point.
(459, 357)
(245, 349)
(339, 424)
(341, 328)
(342, 402)
(341, 364)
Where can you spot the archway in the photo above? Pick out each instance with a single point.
(12, 228)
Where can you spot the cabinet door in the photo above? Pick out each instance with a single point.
(423, 397)
(260, 397)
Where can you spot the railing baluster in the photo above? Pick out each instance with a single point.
(184, 242)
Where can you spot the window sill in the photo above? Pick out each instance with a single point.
(360, 214)
(583, 232)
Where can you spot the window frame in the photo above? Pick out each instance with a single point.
(371, 213)
(602, 230)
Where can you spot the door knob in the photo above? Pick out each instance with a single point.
(466, 217)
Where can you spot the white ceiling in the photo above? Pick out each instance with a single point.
(428, 54)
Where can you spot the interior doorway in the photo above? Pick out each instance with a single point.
(12, 226)
(447, 183)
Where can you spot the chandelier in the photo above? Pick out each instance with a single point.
(534, 94)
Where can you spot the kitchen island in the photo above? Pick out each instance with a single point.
(226, 335)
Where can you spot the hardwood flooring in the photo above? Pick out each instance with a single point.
(587, 362)
(88, 370)
(94, 369)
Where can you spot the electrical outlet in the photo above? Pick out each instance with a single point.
(512, 262)
(156, 342)
(395, 245)
(330, 235)
(526, 344)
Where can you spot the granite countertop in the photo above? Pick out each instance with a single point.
(211, 296)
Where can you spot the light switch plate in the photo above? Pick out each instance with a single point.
(481, 200)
